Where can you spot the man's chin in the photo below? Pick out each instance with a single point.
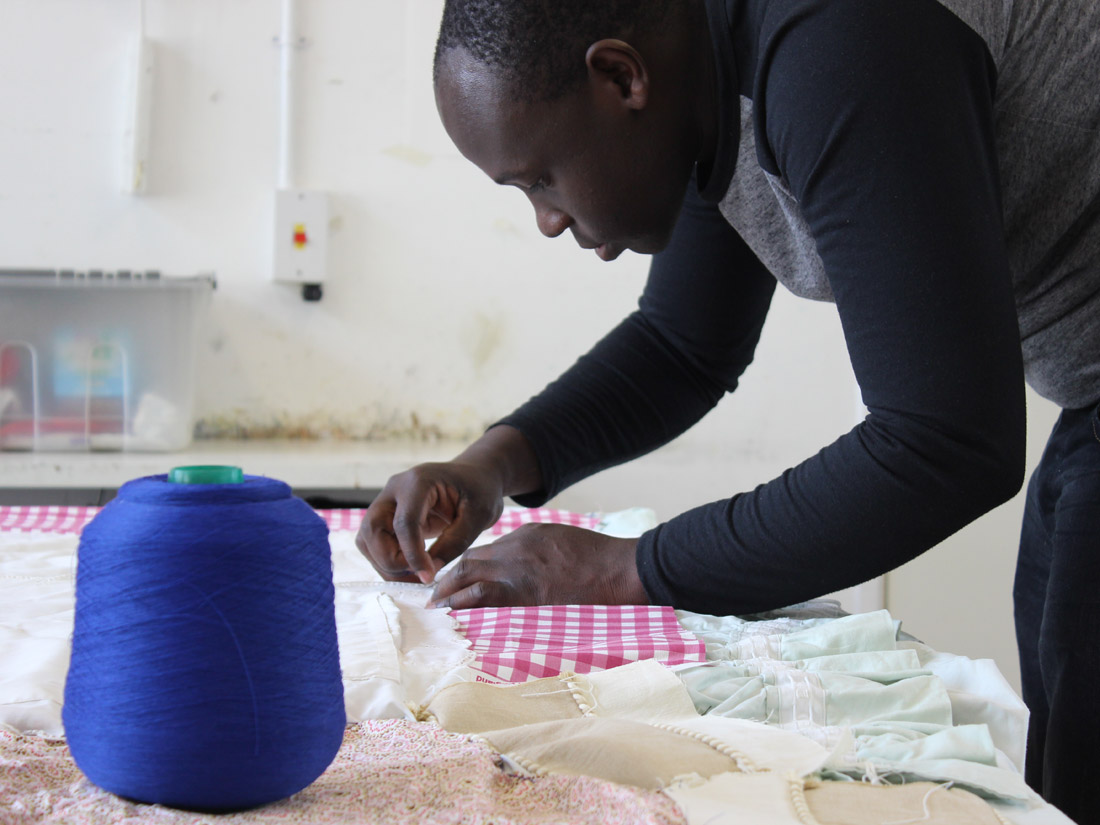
(609, 251)
(651, 245)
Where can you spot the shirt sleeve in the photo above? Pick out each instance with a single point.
(664, 367)
(878, 117)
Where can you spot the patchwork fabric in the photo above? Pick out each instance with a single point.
(387, 773)
(633, 724)
(515, 644)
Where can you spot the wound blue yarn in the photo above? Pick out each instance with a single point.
(205, 672)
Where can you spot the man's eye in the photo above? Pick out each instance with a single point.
(538, 185)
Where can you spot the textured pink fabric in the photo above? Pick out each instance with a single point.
(515, 644)
(387, 772)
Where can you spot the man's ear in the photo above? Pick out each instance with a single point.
(620, 68)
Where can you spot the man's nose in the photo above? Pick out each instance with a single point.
(551, 222)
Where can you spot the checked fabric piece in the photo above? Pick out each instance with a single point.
(72, 519)
(516, 644)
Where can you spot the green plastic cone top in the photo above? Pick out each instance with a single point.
(206, 474)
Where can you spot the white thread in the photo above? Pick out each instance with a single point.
(870, 774)
(529, 766)
(924, 805)
(543, 693)
(583, 695)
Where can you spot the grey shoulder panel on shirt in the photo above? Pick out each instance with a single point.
(766, 215)
(1047, 117)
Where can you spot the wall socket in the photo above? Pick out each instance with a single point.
(301, 236)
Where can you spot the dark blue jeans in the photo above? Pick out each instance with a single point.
(1057, 603)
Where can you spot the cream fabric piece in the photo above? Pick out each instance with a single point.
(776, 799)
(619, 750)
(859, 803)
(739, 799)
(763, 747)
(474, 707)
(644, 692)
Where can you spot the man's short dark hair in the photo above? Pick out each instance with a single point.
(539, 45)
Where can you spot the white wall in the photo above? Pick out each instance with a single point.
(444, 308)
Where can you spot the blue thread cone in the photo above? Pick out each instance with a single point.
(205, 670)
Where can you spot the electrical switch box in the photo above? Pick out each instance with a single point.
(301, 236)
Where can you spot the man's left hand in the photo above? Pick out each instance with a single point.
(543, 564)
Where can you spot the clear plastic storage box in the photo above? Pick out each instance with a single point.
(98, 361)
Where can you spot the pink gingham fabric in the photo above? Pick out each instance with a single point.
(62, 519)
(71, 519)
(514, 517)
(517, 644)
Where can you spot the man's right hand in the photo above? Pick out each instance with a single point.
(452, 502)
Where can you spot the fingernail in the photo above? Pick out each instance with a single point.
(425, 576)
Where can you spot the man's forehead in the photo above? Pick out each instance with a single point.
(484, 121)
(464, 75)
(475, 97)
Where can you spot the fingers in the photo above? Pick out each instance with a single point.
(408, 528)
(392, 535)
(457, 537)
(473, 582)
(378, 543)
(449, 502)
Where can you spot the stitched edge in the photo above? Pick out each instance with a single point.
(530, 766)
(797, 790)
(581, 691)
(743, 762)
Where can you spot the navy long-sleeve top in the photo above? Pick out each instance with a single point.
(869, 155)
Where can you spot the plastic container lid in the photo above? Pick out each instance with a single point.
(206, 474)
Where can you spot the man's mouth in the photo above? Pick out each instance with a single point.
(606, 251)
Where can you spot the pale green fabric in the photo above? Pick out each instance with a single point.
(846, 684)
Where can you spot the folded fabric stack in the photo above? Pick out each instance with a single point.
(883, 708)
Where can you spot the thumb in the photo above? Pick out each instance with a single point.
(456, 538)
